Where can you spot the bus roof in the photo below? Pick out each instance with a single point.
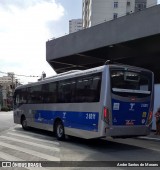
(65, 75)
(78, 73)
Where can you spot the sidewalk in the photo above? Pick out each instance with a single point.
(152, 136)
(8, 112)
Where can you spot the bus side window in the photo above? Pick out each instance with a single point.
(49, 92)
(66, 91)
(20, 97)
(17, 99)
(80, 88)
(35, 94)
(97, 87)
(88, 89)
(61, 95)
(53, 92)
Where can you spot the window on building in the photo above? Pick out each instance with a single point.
(115, 4)
(140, 6)
(128, 3)
(115, 15)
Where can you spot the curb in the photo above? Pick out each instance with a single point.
(149, 138)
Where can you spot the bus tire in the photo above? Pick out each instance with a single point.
(24, 123)
(59, 130)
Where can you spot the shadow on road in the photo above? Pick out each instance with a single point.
(74, 148)
(96, 144)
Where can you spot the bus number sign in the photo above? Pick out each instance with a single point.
(90, 116)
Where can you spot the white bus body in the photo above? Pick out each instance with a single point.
(111, 100)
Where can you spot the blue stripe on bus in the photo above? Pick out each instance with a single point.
(79, 120)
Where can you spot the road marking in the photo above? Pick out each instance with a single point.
(6, 113)
(31, 152)
(7, 157)
(149, 138)
(31, 143)
(33, 138)
(33, 134)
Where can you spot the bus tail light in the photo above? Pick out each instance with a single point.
(106, 114)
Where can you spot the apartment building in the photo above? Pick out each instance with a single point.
(75, 25)
(97, 11)
(9, 79)
(7, 84)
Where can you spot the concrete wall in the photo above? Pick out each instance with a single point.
(131, 7)
(137, 25)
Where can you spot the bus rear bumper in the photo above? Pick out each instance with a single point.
(125, 132)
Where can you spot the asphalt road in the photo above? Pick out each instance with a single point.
(6, 120)
(37, 145)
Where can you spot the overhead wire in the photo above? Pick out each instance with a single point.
(19, 74)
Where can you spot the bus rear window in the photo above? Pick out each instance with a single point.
(130, 82)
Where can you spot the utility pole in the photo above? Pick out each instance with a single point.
(43, 75)
(12, 84)
(12, 76)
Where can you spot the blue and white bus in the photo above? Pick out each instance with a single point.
(111, 100)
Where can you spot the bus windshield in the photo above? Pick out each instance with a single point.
(124, 81)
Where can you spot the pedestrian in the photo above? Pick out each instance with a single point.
(157, 115)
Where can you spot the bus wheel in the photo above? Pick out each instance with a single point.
(60, 130)
(24, 123)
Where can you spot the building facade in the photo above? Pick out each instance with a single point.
(98, 11)
(7, 86)
(75, 25)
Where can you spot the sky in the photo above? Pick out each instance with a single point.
(25, 26)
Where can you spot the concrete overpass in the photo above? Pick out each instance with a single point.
(133, 39)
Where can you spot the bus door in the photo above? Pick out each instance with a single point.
(131, 97)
